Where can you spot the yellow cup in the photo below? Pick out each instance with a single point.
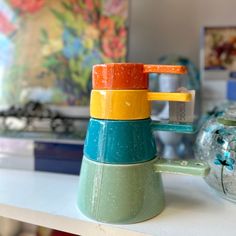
(128, 104)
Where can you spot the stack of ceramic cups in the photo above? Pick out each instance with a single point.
(117, 183)
(119, 131)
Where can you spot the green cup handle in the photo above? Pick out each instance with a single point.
(187, 167)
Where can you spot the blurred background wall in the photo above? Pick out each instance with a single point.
(160, 27)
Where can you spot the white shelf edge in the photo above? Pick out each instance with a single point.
(62, 223)
(49, 200)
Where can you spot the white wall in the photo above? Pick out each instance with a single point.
(159, 27)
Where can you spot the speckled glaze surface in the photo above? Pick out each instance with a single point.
(128, 75)
(119, 76)
(124, 194)
(128, 104)
(120, 194)
(119, 104)
(120, 179)
(120, 142)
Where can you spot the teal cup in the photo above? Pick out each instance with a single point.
(124, 194)
(125, 141)
(120, 142)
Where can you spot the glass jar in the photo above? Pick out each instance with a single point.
(216, 144)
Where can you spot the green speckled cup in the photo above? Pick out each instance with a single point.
(123, 194)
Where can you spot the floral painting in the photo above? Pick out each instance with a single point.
(219, 52)
(48, 47)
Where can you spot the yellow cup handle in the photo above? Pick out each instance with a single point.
(177, 97)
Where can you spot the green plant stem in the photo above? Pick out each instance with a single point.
(221, 176)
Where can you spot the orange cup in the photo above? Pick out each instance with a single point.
(128, 75)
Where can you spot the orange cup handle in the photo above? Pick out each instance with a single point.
(165, 69)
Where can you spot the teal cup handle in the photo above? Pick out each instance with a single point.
(188, 128)
(125, 194)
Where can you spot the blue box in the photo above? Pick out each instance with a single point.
(58, 157)
(231, 90)
(58, 166)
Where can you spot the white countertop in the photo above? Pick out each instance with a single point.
(49, 200)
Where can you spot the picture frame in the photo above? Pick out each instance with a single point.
(219, 52)
(217, 61)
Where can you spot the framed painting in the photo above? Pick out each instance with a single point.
(219, 52)
(48, 47)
